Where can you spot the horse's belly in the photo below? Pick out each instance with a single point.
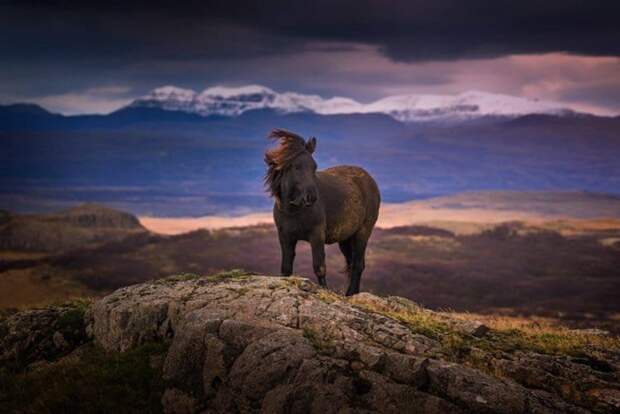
(341, 228)
(345, 201)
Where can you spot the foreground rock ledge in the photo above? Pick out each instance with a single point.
(280, 345)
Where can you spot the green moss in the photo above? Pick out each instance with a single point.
(319, 342)
(71, 319)
(181, 277)
(417, 319)
(237, 274)
(93, 382)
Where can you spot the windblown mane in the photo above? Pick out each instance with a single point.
(278, 159)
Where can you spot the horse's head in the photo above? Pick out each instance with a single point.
(291, 174)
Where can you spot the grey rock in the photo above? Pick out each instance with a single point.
(283, 345)
(40, 335)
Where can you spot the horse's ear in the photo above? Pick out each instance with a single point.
(311, 145)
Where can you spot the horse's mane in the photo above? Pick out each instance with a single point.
(279, 158)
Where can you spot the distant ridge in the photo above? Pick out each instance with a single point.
(72, 228)
(156, 161)
(406, 108)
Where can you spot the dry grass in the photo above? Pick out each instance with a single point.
(508, 334)
(418, 319)
(545, 335)
(328, 296)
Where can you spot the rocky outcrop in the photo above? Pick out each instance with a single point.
(243, 343)
(41, 335)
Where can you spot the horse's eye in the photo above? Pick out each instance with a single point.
(298, 167)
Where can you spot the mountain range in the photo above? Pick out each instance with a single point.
(160, 155)
(229, 101)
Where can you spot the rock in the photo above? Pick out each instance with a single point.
(178, 402)
(280, 345)
(481, 393)
(40, 335)
(564, 376)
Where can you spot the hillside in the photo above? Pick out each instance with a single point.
(239, 343)
(76, 227)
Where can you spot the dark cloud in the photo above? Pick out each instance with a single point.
(79, 55)
(111, 35)
(404, 30)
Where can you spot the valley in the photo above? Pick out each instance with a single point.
(565, 269)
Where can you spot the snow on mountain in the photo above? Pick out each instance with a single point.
(233, 101)
(227, 101)
(468, 105)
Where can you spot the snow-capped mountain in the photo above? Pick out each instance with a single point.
(226, 101)
(233, 101)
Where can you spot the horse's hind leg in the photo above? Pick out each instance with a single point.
(345, 248)
(358, 260)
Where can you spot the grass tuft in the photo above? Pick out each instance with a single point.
(181, 277)
(413, 316)
(328, 296)
(237, 274)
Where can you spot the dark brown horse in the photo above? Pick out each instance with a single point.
(339, 204)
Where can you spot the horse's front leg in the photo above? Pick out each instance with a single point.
(287, 245)
(318, 257)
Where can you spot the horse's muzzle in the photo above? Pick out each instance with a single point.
(307, 200)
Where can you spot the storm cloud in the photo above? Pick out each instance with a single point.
(404, 30)
(69, 48)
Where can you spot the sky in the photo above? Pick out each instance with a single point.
(94, 57)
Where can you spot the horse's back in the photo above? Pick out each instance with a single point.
(351, 197)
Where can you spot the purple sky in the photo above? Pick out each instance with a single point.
(76, 57)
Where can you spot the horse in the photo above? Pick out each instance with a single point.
(336, 205)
